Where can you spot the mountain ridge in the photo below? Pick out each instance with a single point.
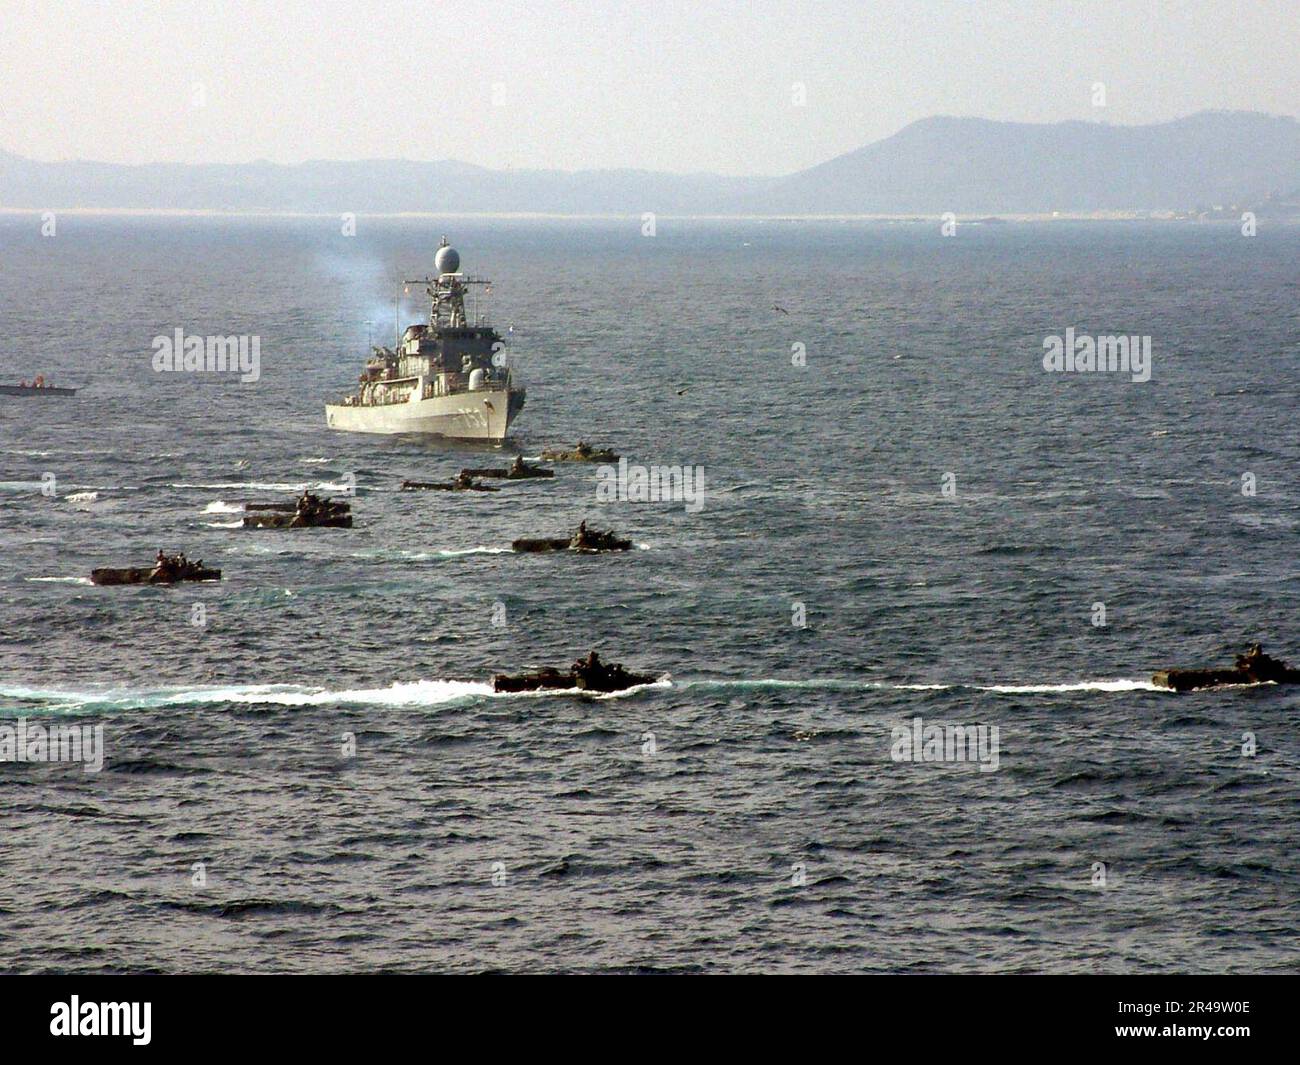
(936, 164)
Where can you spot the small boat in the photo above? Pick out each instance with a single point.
(1254, 667)
(582, 452)
(585, 540)
(167, 569)
(38, 387)
(309, 512)
(586, 674)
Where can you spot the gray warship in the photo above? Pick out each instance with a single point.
(445, 378)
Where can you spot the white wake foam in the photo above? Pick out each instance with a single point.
(408, 693)
(424, 693)
(425, 556)
(270, 486)
(220, 506)
(1123, 685)
(411, 693)
(665, 681)
(457, 551)
(417, 693)
(1119, 685)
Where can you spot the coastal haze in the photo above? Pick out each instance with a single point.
(832, 108)
(913, 513)
(739, 87)
(936, 165)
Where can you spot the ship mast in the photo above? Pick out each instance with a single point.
(447, 291)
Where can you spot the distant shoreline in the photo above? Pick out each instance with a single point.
(1209, 165)
(973, 218)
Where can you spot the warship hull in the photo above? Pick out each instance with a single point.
(484, 415)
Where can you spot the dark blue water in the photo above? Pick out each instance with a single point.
(770, 829)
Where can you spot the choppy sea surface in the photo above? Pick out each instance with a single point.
(745, 814)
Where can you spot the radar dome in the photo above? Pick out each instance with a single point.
(447, 260)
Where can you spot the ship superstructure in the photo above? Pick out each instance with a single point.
(444, 378)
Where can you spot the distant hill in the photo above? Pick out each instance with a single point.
(974, 165)
(965, 165)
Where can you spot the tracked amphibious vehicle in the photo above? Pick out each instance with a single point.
(1254, 667)
(586, 674)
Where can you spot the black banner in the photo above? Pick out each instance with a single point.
(1229, 1015)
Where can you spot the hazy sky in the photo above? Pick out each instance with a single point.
(607, 83)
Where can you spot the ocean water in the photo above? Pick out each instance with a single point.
(745, 814)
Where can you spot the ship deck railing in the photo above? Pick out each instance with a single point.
(457, 384)
(447, 383)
